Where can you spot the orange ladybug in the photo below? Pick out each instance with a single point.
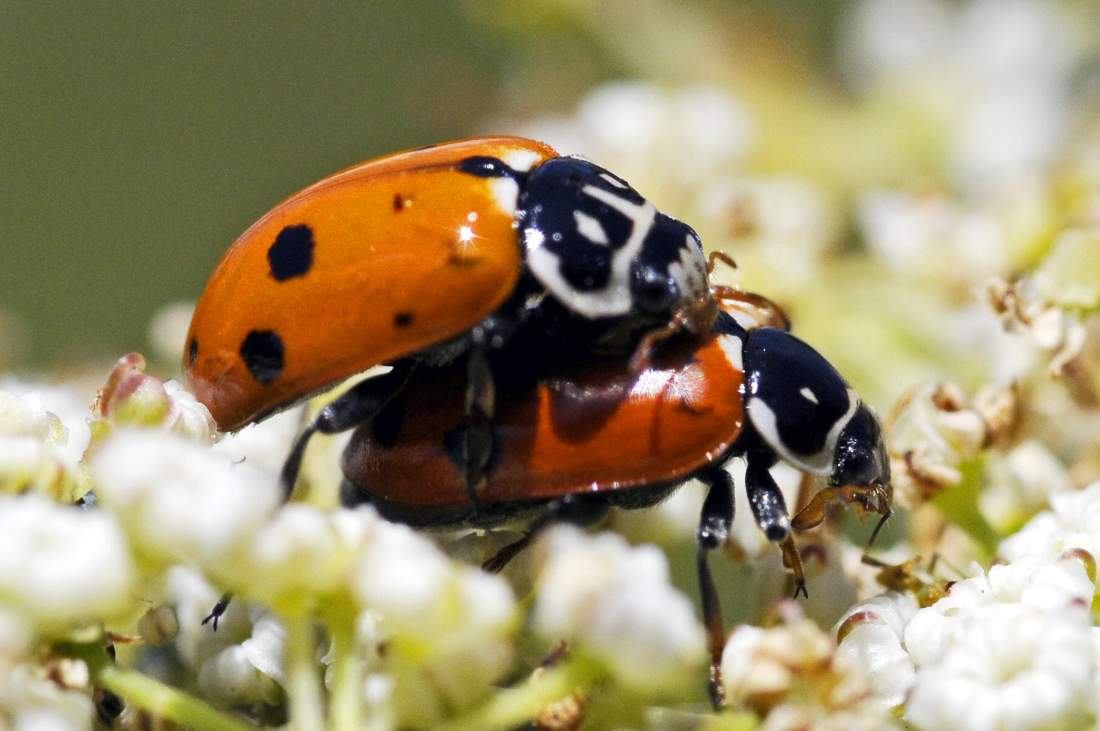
(425, 255)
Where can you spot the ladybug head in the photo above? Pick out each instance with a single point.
(801, 407)
(603, 250)
(860, 455)
(669, 272)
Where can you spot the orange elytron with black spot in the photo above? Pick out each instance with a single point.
(370, 264)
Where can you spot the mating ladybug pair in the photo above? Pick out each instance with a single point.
(555, 346)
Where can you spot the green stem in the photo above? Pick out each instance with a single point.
(303, 680)
(347, 680)
(166, 702)
(514, 706)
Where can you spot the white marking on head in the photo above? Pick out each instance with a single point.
(613, 180)
(506, 194)
(590, 228)
(533, 238)
(614, 298)
(690, 272)
(807, 394)
(733, 349)
(521, 160)
(821, 463)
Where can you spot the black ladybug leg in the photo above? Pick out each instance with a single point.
(714, 527)
(770, 511)
(477, 437)
(218, 611)
(350, 410)
(581, 510)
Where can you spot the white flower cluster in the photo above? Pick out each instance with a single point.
(1008, 648)
(182, 503)
(615, 602)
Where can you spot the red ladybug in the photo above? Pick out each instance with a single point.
(423, 255)
(569, 443)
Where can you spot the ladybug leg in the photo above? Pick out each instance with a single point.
(770, 511)
(714, 528)
(218, 611)
(872, 498)
(477, 436)
(682, 321)
(580, 510)
(719, 256)
(761, 310)
(352, 409)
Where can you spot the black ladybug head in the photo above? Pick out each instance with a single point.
(802, 408)
(860, 456)
(603, 250)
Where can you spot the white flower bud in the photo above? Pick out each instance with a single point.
(295, 555)
(186, 415)
(265, 649)
(230, 679)
(870, 636)
(62, 566)
(159, 625)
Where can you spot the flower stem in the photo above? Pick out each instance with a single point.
(165, 701)
(303, 681)
(515, 706)
(347, 681)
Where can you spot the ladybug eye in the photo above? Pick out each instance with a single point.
(654, 291)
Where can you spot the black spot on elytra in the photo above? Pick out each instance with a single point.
(292, 253)
(402, 319)
(262, 352)
(484, 166)
(400, 202)
(192, 351)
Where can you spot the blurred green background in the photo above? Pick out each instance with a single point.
(138, 141)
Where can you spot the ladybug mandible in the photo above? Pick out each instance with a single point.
(421, 256)
(568, 444)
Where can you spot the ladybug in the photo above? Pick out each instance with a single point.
(569, 442)
(422, 256)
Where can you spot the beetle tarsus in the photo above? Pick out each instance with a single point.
(218, 611)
